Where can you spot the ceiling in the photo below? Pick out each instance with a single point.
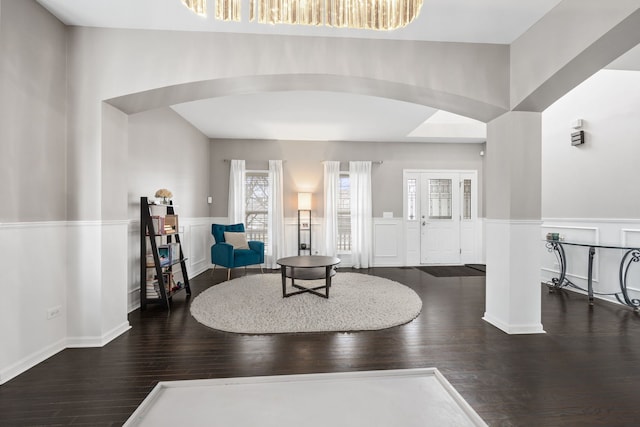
(309, 115)
(479, 21)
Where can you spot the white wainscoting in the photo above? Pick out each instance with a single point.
(388, 242)
(512, 287)
(34, 267)
(606, 263)
(61, 267)
(196, 244)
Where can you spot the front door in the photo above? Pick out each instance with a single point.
(440, 218)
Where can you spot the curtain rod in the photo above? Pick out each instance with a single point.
(373, 162)
(228, 160)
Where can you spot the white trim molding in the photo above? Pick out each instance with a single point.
(31, 360)
(98, 341)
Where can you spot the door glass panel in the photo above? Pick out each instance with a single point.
(466, 199)
(440, 199)
(411, 199)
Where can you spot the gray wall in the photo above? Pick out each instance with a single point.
(165, 151)
(574, 40)
(33, 108)
(513, 167)
(597, 180)
(107, 63)
(303, 168)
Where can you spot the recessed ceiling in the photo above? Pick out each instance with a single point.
(324, 116)
(308, 115)
(474, 21)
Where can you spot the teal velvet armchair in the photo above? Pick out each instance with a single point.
(226, 255)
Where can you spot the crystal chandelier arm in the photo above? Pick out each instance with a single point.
(198, 7)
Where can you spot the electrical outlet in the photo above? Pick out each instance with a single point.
(54, 312)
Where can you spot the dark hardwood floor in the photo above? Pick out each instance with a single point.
(585, 371)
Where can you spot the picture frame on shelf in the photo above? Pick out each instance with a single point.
(164, 253)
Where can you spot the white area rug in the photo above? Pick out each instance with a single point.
(407, 398)
(254, 305)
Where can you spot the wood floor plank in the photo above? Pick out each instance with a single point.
(584, 371)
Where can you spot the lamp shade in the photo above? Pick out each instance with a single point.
(304, 201)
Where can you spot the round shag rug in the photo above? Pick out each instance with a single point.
(254, 305)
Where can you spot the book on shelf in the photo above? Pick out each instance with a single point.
(153, 289)
(170, 224)
(175, 251)
(167, 224)
(158, 224)
(149, 260)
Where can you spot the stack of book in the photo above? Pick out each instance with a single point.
(153, 289)
(167, 224)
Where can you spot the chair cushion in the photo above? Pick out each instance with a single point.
(218, 230)
(237, 240)
(242, 257)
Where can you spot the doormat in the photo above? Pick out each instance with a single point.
(451, 271)
(481, 267)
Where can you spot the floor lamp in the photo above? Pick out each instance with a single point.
(304, 223)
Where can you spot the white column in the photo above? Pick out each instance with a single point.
(513, 200)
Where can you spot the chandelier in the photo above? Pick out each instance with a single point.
(359, 14)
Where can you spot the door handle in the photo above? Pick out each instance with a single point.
(424, 223)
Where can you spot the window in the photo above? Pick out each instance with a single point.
(411, 199)
(466, 200)
(344, 214)
(440, 199)
(257, 191)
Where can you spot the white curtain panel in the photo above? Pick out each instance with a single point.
(361, 214)
(236, 192)
(276, 214)
(331, 193)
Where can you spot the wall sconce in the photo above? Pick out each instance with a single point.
(577, 134)
(577, 124)
(304, 201)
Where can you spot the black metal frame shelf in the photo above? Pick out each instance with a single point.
(147, 231)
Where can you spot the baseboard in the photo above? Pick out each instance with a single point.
(513, 329)
(30, 361)
(202, 269)
(98, 341)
